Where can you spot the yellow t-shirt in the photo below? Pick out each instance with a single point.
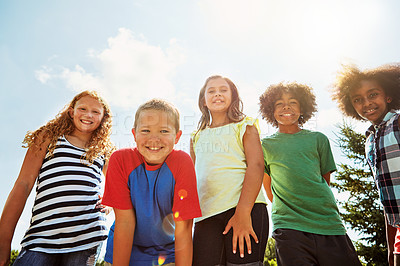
(221, 166)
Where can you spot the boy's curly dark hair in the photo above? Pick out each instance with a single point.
(350, 77)
(302, 93)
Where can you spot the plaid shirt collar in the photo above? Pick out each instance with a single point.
(373, 128)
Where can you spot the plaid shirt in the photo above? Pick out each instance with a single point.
(382, 149)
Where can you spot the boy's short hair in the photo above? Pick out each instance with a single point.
(302, 93)
(159, 105)
(350, 77)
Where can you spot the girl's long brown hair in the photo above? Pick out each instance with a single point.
(99, 143)
(235, 110)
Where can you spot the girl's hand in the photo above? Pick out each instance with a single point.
(242, 230)
(102, 207)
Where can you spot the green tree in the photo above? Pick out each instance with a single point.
(100, 262)
(13, 256)
(270, 249)
(269, 256)
(362, 210)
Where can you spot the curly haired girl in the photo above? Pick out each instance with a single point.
(66, 157)
(374, 95)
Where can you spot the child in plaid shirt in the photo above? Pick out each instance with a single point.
(374, 95)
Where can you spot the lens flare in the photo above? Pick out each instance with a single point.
(168, 224)
(182, 193)
(161, 260)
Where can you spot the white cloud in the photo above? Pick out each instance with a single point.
(131, 71)
(78, 79)
(43, 75)
(134, 71)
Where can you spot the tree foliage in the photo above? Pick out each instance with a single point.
(100, 262)
(362, 210)
(13, 256)
(270, 249)
(270, 256)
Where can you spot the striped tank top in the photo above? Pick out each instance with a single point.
(64, 217)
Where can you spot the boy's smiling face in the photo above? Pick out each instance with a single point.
(287, 112)
(155, 135)
(370, 101)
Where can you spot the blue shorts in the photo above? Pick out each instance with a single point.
(29, 257)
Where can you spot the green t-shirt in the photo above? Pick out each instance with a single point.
(302, 199)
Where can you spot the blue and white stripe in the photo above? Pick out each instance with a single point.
(64, 217)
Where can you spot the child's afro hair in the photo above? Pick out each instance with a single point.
(302, 93)
(350, 77)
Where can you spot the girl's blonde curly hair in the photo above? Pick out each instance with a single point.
(99, 144)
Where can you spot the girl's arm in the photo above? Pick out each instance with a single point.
(241, 220)
(17, 198)
(192, 154)
(183, 242)
(125, 223)
(267, 186)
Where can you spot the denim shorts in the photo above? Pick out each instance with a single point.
(84, 257)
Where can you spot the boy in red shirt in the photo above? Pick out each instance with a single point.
(152, 189)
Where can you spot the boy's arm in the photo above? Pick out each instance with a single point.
(327, 178)
(241, 220)
(192, 154)
(125, 223)
(17, 198)
(183, 242)
(267, 186)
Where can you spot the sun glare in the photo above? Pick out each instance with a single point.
(303, 30)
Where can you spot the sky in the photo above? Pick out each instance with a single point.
(135, 50)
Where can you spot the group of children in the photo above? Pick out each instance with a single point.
(156, 191)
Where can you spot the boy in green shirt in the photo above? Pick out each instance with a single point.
(306, 225)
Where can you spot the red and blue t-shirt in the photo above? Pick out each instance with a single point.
(159, 194)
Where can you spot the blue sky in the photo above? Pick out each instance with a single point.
(135, 50)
